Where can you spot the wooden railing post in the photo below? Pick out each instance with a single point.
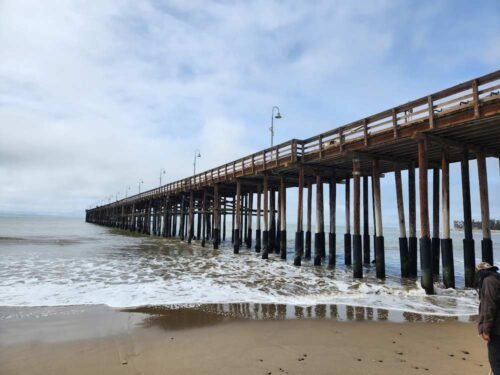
(395, 122)
(475, 98)
(365, 131)
(430, 104)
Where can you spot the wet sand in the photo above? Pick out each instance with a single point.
(230, 340)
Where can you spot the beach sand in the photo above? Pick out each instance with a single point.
(99, 340)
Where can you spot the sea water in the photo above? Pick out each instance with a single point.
(51, 261)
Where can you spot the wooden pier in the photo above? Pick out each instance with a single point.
(453, 125)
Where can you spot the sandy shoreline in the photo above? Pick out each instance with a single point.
(100, 340)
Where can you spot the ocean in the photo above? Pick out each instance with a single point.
(53, 261)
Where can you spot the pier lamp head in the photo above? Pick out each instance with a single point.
(278, 115)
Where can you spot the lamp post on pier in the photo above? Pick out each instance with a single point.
(141, 181)
(196, 155)
(162, 171)
(273, 116)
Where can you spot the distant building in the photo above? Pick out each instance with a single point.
(494, 224)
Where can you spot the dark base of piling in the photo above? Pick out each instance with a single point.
(366, 249)
(317, 249)
(283, 244)
(435, 245)
(216, 238)
(347, 249)
(380, 257)
(487, 250)
(412, 257)
(448, 267)
(426, 265)
(469, 262)
(257, 241)
(265, 244)
(307, 254)
(236, 245)
(358, 256)
(332, 249)
(403, 256)
(299, 248)
(249, 239)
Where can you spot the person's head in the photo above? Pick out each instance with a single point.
(483, 269)
(486, 266)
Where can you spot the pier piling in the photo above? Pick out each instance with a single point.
(307, 255)
(486, 243)
(265, 233)
(319, 236)
(258, 244)
(412, 208)
(236, 243)
(379, 248)
(283, 218)
(356, 238)
(366, 224)
(446, 243)
(435, 241)
(332, 245)
(403, 241)
(299, 235)
(425, 240)
(347, 234)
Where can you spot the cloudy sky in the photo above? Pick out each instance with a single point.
(96, 95)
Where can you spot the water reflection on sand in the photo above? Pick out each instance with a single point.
(194, 316)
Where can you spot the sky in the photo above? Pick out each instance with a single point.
(98, 95)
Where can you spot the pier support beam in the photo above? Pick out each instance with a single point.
(446, 243)
(469, 252)
(233, 218)
(191, 217)
(249, 220)
(204, 218)
(258, 244)
(277, 248)
(181, 221)
(265, 233)
(244, 217)
(403, 241)
(412, 208)
(307, 255)
(332, 236)
(347, 234)
(356, 238)
(486, 243)
(272, 219)
(199, 219)
(379, 248)
(366, 224)
(236, 243)
(425, 240)
(216, 240)
(224, 212)
(283, 218)
(319, 237)
(299, 235)
(435, 241)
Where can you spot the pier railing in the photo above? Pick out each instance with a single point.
(428, 109)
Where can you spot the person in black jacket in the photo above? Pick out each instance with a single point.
(488, 287)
